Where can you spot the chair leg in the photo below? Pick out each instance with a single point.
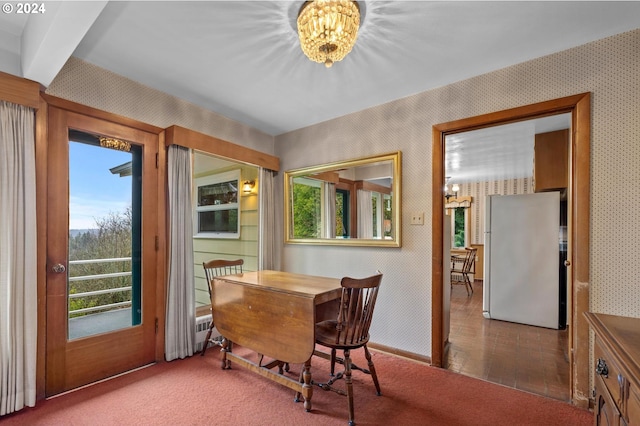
(372, 370)
(467, 284)
(206, 342)
(349, 385)
(333, 362)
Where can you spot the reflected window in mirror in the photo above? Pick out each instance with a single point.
(342, 212)
(354, 202)
(307, 206)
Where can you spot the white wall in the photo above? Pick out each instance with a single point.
(607, 68)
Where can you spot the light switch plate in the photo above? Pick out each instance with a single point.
(417, 218)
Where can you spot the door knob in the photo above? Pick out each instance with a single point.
(567, 263)
(58, 268)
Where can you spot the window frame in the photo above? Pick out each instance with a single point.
(230, 176)
(466, 227)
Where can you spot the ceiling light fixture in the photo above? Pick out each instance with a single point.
(114, 143)
(328, 29)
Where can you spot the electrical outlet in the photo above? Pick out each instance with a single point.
(417, 218)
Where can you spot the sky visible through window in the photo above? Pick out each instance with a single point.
(94, 191)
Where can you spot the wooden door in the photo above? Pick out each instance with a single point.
(89, 339)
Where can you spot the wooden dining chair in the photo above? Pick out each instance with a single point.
(350, 331)
(460, 275)
(216, 268)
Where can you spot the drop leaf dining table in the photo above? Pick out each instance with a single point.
(273, 313)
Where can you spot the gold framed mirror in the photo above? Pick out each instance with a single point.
(353, 203)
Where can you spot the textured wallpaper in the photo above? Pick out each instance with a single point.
(87, 84)
(608, 68)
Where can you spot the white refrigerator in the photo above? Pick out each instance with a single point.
(521, 263)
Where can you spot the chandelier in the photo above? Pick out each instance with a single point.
(328, 29)
(114, 143)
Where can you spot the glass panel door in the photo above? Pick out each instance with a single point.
(104, 233)
(103, 221)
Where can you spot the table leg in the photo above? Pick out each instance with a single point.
(307, 388)
(226, 347)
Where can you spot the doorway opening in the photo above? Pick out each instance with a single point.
(578, 107)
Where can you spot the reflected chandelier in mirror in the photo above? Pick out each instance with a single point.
(355, 202)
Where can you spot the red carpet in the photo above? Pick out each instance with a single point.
(196, 391)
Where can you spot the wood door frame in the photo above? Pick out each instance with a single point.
(578, 226)
(42, 135)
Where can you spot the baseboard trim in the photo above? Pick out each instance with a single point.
(399, 352)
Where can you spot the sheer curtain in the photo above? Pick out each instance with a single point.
(329, 223)
(365, 214)
(180, 311)
(18, 286)
(269, 229)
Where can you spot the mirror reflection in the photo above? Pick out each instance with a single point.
(355, 202)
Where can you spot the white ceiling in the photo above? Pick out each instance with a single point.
(498, 152)
(242, 59)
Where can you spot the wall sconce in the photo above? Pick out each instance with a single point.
(450, 192)
(247, 186)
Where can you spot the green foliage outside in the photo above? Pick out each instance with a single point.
(306, 211)
(340, 229)
(387, 216)
(459, 227)
(111, 239)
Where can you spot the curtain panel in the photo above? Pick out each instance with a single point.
(180, 309)
(365, 214)
(329, 205)
(269, 229)
(18, 243)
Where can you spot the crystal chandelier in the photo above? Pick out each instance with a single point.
(328, 29)
(114, 143)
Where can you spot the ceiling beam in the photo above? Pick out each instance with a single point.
(49, 38)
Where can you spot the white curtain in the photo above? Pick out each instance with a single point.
(269, 229)
(329, 213)
(18, 286)
(180, 310)
(365, 214)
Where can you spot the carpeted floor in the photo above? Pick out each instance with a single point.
(195, 391)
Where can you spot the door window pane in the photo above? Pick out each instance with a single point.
(104, 237)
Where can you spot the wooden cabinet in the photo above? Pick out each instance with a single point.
(479, 275)
(551, 161)
(617, 369)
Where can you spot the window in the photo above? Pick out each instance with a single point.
(217, 206)
(381, 205)
(459, 227)
(387, 216)
(307, 208)
(342, 213)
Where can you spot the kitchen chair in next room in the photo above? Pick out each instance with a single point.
(460, 275)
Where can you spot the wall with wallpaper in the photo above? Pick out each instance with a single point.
(607, 68)
(87, 84)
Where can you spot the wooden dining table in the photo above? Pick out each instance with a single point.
(273, 314)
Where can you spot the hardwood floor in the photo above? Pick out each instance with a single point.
(532, 359)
